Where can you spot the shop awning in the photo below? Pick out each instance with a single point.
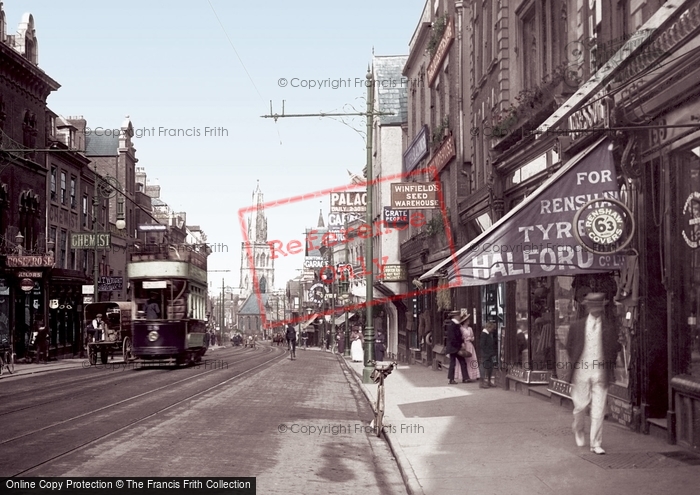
(341, 319)
(535, 238)
(632, 48)
(306, 323)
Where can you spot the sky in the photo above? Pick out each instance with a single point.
(214, 67)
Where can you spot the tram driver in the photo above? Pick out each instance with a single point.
(152, 309)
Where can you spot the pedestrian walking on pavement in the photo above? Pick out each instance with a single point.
(468, 345)
(592, 345)
(341, 342)
(379, 347)
(454, 344)
(487, 347)
(42, 342)
(357, 353)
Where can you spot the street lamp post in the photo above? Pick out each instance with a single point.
(95, 267)
(346, 282)
(369, 258)
(370, 113)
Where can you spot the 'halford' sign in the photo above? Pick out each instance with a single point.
(537, 238)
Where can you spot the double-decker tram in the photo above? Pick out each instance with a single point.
(169, 294)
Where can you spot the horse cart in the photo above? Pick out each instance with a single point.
(114, 336)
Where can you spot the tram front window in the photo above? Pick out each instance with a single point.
(161, 302)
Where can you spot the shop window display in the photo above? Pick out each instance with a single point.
(542, 324)
(522, 321)
(689, 214)
(493, 309)
(564, 315)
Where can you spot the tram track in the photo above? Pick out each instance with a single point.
(71, 394)
(112, 405)
(137, 421)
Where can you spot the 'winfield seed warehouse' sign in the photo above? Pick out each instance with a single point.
(415, 196)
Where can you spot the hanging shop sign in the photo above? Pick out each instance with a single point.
(26, 284)
(416, 151)
(28, 274)
(45, 261)
(441, 52)
(395, 218)
(317, 293)
(393, 273)
(90, 240)
(691, 220)
(340, 219)
(546, 234)
(156, 227)
(444, 155)
(608, 228)
(349, 202)
(415, 195)
(590, 116)
(109, 284)
(315, 262)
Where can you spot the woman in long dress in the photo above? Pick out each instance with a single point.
(472, 362)
(356, 352)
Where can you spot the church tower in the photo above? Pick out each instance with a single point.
(262, 265)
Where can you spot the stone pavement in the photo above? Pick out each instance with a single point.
(460, 439)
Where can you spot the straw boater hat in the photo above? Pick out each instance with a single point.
(594, 299)
(460, 316)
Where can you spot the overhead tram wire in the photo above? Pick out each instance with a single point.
(239, 59)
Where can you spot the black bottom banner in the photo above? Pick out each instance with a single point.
(124, 486)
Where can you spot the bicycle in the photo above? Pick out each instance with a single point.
(382, 369)
(7, 360)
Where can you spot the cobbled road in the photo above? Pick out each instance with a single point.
(299, 427)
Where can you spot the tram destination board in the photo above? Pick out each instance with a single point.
(90, 240)
(121, 486)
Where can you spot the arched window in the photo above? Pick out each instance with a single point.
(263, 285)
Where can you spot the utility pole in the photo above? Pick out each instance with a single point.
(370, 113)
(95, 268)
(347, 289)
(369, 326)
(221, 313)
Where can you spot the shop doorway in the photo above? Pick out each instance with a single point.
(493, 308)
